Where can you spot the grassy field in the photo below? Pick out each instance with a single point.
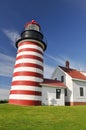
(14, 117)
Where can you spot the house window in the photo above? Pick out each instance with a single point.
(65, 91)
(62, 78)
(55, 78)
(81, 91)
(58, 93)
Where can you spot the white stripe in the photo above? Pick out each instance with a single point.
(23, 87)
(30, 46)
(27, 60)
(25, 97)
(30, 69)
(27, 78)
(29, 53)
(32, 40)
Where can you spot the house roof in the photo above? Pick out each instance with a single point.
(74, 73)
(53, 83)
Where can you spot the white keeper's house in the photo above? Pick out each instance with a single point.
(75, 83)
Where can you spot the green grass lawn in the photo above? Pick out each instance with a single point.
(14, 117)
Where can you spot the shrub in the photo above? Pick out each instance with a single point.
(3, 101)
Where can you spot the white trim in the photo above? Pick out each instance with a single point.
(28, 69)
(54, 72)
(25, 97)
(45, 85)
(60, 70)
(79, 79)
(64, 72)
(69, 75)
(23, 87)
(27, 78)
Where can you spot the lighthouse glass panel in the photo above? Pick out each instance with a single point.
(32, 27)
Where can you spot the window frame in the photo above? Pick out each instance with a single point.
(62, 78)
(81, 91)
(58, 93)
(66, 92)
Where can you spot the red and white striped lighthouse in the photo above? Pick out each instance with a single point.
(28, 70)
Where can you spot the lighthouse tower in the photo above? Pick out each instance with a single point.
(28, 69)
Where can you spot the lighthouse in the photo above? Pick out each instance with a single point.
(28, 69)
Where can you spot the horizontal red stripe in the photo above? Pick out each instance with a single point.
(25, 102)
(30, 49)
(30, 43)
(25, 73)
(30, 56)
(29, 83)
(26, 92)
(29, 65)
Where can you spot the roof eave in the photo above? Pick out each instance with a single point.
(79, 79)
(47, 85)
(64, 72)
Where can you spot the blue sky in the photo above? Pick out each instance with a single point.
(63, 24)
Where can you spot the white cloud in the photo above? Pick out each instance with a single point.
(60, 60)
(7, 62)
(48, 70)
(6, 65)
(12, 35)
(4, 94)
(57, 59)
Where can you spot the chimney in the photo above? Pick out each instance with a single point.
(67, 64)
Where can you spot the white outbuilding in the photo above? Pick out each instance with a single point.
(75, 80)
(53, 92)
